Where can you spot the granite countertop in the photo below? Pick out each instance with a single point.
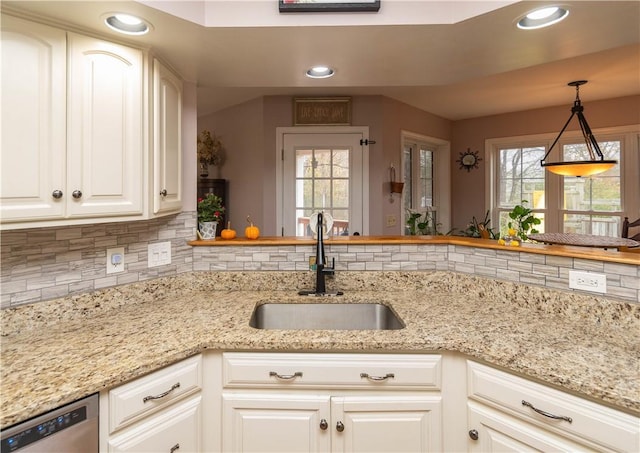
(55, 352)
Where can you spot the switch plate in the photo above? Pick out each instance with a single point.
(115, 260)
(588, 281)
(391, 220)
(159, 254)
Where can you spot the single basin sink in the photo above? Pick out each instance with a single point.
(310, 316)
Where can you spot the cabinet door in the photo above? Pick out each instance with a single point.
(105, 129)
(276, 423)
(167, 143)
(497, 431)
(387, 423)
(33, 121)
(176, 429)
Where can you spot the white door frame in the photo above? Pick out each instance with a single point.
(280, 133)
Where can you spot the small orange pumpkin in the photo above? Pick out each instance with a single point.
(252, 231)
(228, 233)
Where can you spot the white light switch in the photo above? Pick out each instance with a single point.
(115, 260)
(159, 254)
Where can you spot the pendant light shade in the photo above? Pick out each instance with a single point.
(596, 164)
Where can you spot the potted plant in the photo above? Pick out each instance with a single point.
(523, 221)
(210, 152)
(481, 229)
(210, 212)
(416, 225)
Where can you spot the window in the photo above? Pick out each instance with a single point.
(426, 174)
(595, 205)
(520, 181)
(418, 176)
(322, 184)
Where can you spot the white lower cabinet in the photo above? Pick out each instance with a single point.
(331, 402)
(174, 430)
(159, 412)
(509, 413)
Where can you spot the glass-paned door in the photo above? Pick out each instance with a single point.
(322, 172)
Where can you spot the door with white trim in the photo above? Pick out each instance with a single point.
(324, 172)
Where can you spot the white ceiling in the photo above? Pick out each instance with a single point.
(454, 59)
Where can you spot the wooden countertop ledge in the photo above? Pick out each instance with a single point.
(588, 253)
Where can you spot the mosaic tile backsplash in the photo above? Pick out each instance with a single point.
(47, 263)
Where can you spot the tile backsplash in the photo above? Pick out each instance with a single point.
(48, 263)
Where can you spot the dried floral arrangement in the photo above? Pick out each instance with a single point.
(210, 149)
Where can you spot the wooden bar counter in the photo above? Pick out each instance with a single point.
(626, 257)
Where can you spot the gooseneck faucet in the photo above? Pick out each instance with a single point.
(322, 270)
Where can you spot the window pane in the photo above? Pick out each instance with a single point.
(341, 193)
(323, 163)
(408, 183)
(599, 193)
(341, 163)
(426, 178)
(521, 177)
(592, 224)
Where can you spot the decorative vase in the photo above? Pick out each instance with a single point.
(208, 230)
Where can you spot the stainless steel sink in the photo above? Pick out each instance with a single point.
(327, 316)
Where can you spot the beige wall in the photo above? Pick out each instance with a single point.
(248, 134)
(468, 188)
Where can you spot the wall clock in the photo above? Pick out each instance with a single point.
(469, 159)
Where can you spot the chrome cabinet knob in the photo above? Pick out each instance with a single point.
(76, 194)
(339, 427)
(473, 434)
(57, 194)
(323, 424)
(163, 192)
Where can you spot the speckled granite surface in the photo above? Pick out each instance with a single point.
(58, 351)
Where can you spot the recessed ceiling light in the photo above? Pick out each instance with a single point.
(126, 23)
(543, 17)
(320, 72)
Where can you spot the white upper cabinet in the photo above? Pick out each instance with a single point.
(33, 150)
(105, 129)
(89, 134)
(167, 140)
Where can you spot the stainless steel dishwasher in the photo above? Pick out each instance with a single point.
(69, 429)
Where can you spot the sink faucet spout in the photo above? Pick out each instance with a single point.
(322, 270)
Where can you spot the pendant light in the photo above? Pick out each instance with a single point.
(597, 163)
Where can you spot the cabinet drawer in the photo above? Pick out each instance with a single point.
(150, 393)
(589, 421)
(177, 428)
(274, 370)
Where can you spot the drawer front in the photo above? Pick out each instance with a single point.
(589, 421)
(397, 371)
(176, 429)
(148, 394)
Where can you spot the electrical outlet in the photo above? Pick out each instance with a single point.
(391, 220)
(115, 260)
(588, 281)
(159, 254)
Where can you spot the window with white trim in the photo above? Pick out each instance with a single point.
(594, 205)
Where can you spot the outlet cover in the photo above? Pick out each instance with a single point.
(159, 254)
(588, 281)
(115, 260)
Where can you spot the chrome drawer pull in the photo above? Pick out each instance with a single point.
(286, 376)
(377, 378)
(547, 414)
(162, 395)
(174, 448)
